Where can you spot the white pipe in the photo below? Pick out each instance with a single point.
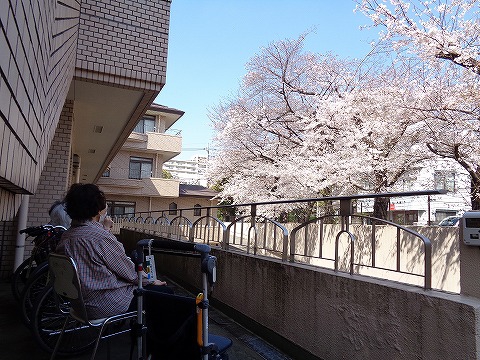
(22, 224)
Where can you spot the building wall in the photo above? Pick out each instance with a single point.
(43, 45)
(37, 59)
(429, 210)
(188, 171)
(55, 178)
(7, 246)
(124, 42)
(119, 167)
(36, 65)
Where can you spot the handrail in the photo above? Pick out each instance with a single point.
(196, 228)
(325, 198)
(258, 235)
(426, 242)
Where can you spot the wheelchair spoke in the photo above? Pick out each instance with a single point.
(48, 322)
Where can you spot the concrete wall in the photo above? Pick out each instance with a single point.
(445, 251)
(317, 313)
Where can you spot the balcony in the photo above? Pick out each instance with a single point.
(152, 187)
(154, 142)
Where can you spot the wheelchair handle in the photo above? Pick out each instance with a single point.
(167, 244)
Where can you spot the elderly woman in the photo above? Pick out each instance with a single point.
(107, 275)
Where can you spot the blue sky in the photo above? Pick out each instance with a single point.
(210, 42)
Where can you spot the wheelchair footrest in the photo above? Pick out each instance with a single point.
(220, 343)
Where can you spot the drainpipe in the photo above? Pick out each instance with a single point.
(76, 168)
(22, 224)
(428, 210)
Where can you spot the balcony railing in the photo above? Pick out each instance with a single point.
(343, 241)
(154, 141)
(140, 187)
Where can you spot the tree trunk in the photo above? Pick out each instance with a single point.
(380, 208)
(475, 193)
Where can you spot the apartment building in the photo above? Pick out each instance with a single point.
(134, 181)
(440, 174)
(190, 172)
(76, 77)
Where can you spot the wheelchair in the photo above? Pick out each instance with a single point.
(45, 240)
(165, 326)
(177, 326)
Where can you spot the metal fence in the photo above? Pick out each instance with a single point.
(342, 241)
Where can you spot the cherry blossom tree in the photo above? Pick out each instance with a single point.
(260, 131)
(305, 126)
(445, 35)
(376, 136)
(441, 29)
(448, 112)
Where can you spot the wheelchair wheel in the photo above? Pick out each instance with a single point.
(47, 323)
(20, 277)
(35, 284)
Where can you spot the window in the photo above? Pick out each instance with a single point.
(197, 211)
(443, 214)
(444, 180)
(140, 168)
(119, 208)
(172, 209)
(146, 124)
(407, 217)
(106, 173)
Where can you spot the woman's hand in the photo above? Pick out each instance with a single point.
(159, 282)
(108, 223)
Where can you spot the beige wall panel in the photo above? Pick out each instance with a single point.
(36, 66)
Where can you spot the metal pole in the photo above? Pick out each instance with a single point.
(22, 224)
(205, 313)
(141, 349)
(428, 210)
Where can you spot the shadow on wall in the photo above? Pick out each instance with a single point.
(377, 256)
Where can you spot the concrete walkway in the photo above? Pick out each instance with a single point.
(17, 341)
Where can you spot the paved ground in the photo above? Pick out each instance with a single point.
(17, 342)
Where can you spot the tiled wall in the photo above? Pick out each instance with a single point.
(7, 247)
(37, 58)
(55, 177)
(38, 45)
(115, 42)
(124, 42)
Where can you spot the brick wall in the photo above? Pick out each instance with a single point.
(7, 246)
(124, 42)
(54, 180)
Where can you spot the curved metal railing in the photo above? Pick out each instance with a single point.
(329, 241)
